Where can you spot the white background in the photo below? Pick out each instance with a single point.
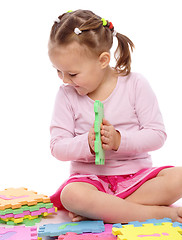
(28, 83)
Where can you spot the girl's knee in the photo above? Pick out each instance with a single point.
(68, 195)
(177, 177)
(170, 172)
(173, 176)
(77, 195)
(72, 196)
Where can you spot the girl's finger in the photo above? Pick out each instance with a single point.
(105, 122)
(105, 140)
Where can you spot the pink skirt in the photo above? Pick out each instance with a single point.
(121, 185)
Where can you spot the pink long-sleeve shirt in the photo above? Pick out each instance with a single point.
(132, 109)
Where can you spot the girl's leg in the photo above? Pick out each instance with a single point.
(85, 200)
(164, 189)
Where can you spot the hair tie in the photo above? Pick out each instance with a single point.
(111, 26)
(57, 20)
(69, 11)
(104, 22)
(77, 31)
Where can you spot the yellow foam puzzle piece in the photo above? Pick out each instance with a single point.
(148, 232)
(19, 220)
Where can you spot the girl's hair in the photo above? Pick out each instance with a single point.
(96, 36)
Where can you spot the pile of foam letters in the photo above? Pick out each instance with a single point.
(20, 206)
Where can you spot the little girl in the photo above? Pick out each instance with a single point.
(127, 187)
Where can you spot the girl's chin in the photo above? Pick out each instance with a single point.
(81, 92)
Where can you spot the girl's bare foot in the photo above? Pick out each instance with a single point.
(179, 214)
(76, 218)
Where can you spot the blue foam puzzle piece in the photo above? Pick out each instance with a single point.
(118, 225)
(177, 224)
(54, 230)
(148, 221)
(153, 221)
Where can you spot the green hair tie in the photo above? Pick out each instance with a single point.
(104, 21)
(69, 11)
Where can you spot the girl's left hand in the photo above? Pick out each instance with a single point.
(109, 136)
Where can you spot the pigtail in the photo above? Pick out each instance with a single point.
(92, 24)
(123, 54)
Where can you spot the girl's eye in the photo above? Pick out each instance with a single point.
(72, 75)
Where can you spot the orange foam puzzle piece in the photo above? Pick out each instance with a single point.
(17, 197)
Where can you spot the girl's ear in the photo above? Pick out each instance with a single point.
(104, 59)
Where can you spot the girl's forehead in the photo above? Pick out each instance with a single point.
(69, 57)
(73, 48)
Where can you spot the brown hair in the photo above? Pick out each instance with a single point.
(95, 36)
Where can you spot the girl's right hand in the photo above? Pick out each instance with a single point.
(91, 140)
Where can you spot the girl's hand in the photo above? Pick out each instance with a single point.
(91, 140)
(109, 136)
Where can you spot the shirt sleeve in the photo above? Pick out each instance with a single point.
(65, 146)
(150, 134)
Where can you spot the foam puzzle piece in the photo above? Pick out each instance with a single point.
(21, 219)
(177, 224)
(148, 231)
(26, 208)
(17, 197)
(154, 221)
(19, 232)
(26, 222)
(54, 230)
(74, 236)
(99, 114)
(107, 234)
(33, 213)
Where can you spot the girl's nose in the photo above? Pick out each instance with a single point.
(66, 79)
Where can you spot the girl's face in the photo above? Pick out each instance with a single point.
(77, 67)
